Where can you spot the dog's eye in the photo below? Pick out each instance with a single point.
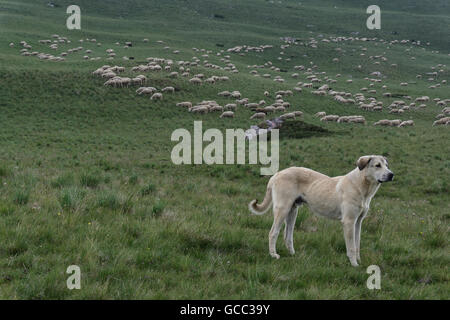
(378, 166)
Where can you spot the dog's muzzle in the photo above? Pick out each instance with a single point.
(388, 177)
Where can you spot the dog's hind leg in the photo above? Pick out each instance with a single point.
(289, 229)
(280, 213)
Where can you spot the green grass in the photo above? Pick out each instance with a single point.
(86, 176)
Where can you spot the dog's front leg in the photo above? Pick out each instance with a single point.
(349, 235)
(358, 233)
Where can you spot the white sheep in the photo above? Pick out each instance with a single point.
(185, 104)
(406, 123)
(227, 114)
(195, 80)
(258, 115)
(230, 106)
(157, 96)
(168, 89)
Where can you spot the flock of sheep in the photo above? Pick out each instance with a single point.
(366, 99)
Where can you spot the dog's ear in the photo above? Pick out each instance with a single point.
(385, 159)
(363, 162)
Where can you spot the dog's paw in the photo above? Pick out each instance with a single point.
(275, 255)
(354, 263)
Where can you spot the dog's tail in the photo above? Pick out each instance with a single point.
(262, 208)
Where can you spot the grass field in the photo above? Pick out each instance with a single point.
(86, 176)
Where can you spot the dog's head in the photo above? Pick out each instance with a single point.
(375, 168)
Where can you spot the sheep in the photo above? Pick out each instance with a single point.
(321, 114)
(213, 108)
(330, 118)
(224, 93)
(252, 105)
(242, 101)
(236, 95)
(357, 119)
(199, 109)
(230, 106)
(146, 90)
(280, 109)
(442, 121)
(266, 93)
(384, 122)
(157, 96)
(446, 110)
(258, 115)
(168, 89)
(290, 115)
(227, 114)
(195, 80)
(269, 109)
(298, 113)
(185, 104)
(137, 80)
(396, 122)
(407, 123)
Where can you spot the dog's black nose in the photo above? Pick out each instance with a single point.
(390, 176)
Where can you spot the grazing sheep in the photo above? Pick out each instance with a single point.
(357, 119)
(396, 122)
(321, 114)
(195, 80)
(157, 96)
(266, 93)
(224, 93)
(258, 115)
(290, 115)
(252, 105)
(185, 104)
(236, 95)
(213, 108)
(146, 90)
(384, 122)
(406, 123)
(168, 89)
(442, 121)
(269, 109)
(242, 101)
(230, 106)
(332, 118)
(199, 109)
(298, 113)
(227, 114)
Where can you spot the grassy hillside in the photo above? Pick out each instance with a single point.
(86, 176)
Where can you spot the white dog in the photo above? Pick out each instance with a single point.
(346, 198)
